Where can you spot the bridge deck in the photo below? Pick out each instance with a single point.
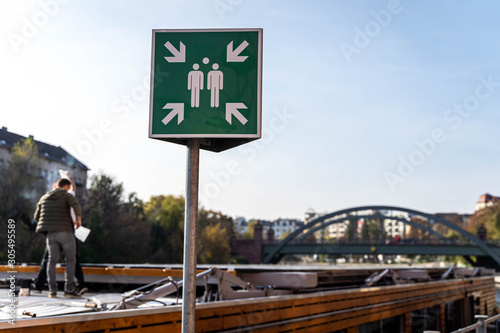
(403, 249)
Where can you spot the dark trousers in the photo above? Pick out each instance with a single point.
(41, 278)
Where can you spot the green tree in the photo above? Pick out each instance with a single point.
(489, 217)
(215, 232)
(119, 229)
(130, 242)
(249, 233)
(417, 233)
(209, 217)
(351, 231)
(166, 217)
(369, 230)
(287, 233)
(213, 245)
(380, 229)
(21, 186)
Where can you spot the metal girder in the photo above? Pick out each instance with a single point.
(355, 217)
(213, 276)
(423, 249)
(271, 257)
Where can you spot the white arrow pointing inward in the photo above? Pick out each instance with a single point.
(233, 56)
(232, 109)
(177, 109)
(178, 55)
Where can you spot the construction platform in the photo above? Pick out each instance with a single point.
(259, 299)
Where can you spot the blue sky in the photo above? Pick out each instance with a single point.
(364, 102)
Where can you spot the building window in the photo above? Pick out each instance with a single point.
(454, 320)
(388, 325)
(425, 319)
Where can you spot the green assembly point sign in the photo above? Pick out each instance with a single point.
(206, 84)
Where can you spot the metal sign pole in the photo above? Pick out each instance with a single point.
(190, 223)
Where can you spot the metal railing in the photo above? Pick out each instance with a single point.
(480, 326)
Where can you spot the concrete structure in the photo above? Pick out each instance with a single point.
(250, 249)
(52, 159)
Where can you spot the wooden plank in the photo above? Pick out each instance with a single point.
(169, 319)
(253, 313)
(315, 305)
(121, 271)
(458, 293)
(407, 322)
(442, 316)
(20, 269)
(355, 317)
(423, 304)
(278, 309)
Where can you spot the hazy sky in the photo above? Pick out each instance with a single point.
(364, 102)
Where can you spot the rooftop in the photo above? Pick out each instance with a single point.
(485, 198)
(45, 150)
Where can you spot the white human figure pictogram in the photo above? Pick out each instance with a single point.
(195, 84)
(215, 81)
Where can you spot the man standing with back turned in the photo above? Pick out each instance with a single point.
(53, 219)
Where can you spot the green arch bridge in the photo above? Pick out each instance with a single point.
(466, 244)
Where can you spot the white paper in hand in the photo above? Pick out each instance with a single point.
(82, 233)
(63, 174)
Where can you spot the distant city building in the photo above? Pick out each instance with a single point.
(337, 230)
(283, 227)
(310, 214)
(240, 225)
(266, 225)
(52, 159)
(395, 228)
(280, 227)
(486, 200)
(392, 226)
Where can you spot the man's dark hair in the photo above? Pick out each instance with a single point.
(63, 182)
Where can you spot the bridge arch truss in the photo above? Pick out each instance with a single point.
(405, 216)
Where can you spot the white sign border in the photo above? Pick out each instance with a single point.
(259, 88)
